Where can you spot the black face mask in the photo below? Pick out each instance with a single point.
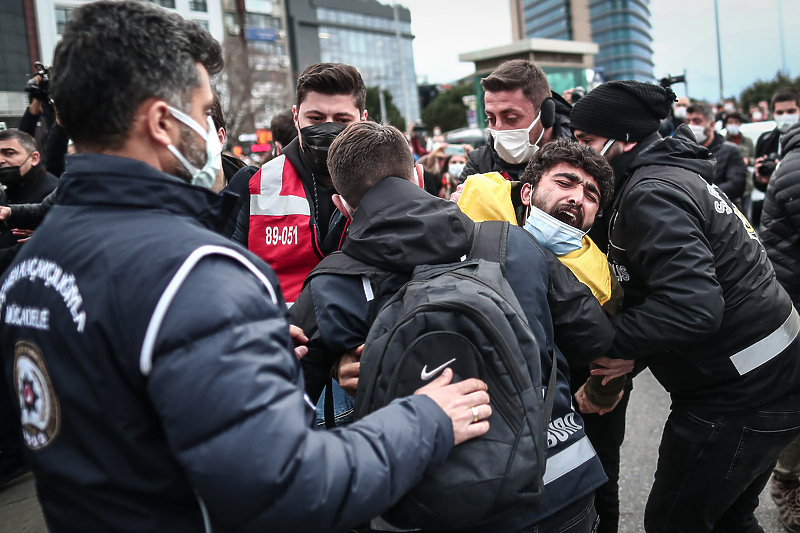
(9, 175)
(317, 138)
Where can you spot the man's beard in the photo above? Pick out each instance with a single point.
(192, 151)
(567, 213)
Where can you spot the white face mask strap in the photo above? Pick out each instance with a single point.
(189, 121)
(539, 116)
(185, 162)
(607, 146)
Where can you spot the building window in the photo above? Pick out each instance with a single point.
(63, 15)
(165, 3)
(198, 5)
(203, 23)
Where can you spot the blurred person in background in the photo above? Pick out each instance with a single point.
(442, 168)
(730, 171)
(733, 134)
(785, 108)
(676, 117)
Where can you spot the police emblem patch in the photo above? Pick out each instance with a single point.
(40, 413)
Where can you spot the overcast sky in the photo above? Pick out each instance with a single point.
(683, 37)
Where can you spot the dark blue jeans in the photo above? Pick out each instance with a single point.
(713, 466)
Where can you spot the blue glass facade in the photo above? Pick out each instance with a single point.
(620, 27)
(370, 44)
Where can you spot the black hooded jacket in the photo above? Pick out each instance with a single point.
(780, 220)
(702, 305)
(485, 159)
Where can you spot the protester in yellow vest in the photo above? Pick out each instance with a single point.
(556, 200)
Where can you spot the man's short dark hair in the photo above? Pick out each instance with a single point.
(113, 56)
(216, 114)
(575, 154)
(282, 127)
(332, 79)
(734, 116)
(787, 94)
(365, 153)
(27, 142)
(519, 74)
(704, 108)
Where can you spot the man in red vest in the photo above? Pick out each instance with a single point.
(291, 221)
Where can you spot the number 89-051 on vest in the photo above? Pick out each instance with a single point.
(281, 235)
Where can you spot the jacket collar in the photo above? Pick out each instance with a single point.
(112, 181)
(398, 226)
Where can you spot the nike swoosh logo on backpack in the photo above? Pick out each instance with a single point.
(425, 376)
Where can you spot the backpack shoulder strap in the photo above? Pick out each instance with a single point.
(339, 263)
(489, 242)
(550, 397)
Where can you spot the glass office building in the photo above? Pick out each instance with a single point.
(620, 27)
(364, 34)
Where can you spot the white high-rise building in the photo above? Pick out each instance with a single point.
(52, 16)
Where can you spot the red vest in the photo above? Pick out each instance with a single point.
(282, 232)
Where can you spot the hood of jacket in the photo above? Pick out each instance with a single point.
(399, 226)
(113, 181)
(680, 150)
(791, 139)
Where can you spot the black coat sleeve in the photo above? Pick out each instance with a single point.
(242, 231)
(666, 246)
(28, 122)
(735, 173)
(55, 150)
(29, 216)
(229, 392)
(582, 330)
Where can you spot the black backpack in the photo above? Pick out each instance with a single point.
(464, 316)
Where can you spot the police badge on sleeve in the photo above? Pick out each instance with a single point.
(40, 413)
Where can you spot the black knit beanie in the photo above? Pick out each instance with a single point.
(622, 110)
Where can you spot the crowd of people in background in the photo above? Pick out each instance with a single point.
(372, 330)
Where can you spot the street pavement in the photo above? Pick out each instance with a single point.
(647, 411)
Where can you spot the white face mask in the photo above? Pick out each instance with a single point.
(785, 122)
(733, 129)
(730, 108)
(699, 133)
(202, 177)
(455, 169)
(679, 112)
(757, 116)
(514, 146)
(556, 236)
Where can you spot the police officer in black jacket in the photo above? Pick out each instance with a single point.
(702, 309)
(151, 357)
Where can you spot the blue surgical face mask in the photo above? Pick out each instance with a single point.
(556, 236)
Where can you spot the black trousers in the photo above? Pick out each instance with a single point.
(713, 466)
(606, 433)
